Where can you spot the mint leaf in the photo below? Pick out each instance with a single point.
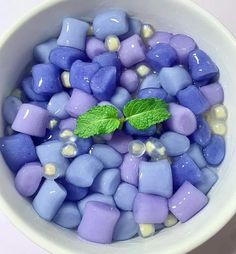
(142, 113)
(98, 120)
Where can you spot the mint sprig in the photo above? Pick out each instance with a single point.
(140, 113)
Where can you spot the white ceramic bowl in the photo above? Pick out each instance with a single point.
(178, 16)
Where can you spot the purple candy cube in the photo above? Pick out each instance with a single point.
(98, 222)
(94, 47)
(186, 202)
(69, 123)
(129, 80)
(150, 208)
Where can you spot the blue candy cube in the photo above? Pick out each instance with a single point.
(162, 55)
(42, 51)
(156, 178)
(120, 98)
(151, 81)
(195, 152)
(10, 108)
(144, 133)
(157, 93)
(135, 26)
(83, 145)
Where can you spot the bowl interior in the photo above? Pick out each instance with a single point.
(176, 16)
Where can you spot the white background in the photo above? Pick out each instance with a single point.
(13, 241)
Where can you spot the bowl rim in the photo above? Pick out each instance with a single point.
(46, 244)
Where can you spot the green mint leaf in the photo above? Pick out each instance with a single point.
(98, 120)
(143, 113)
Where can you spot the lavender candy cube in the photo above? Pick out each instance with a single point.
(49, 199)
(31, 120)
(95, 197)
(192, 98)
(120, 142)
(130, 169)
(150, 209)
(68, 216)
(103, 83)
(161, 55)
(214, 93)
(107, 181)
(50, 152)
(126, 227)
(214, 152)
(186, 202)
(129, 80)
(201, 66)
(209, 179)
(73, 33)
(83, 170)
(125, 195)
(156, 178)
(159, 37)
(113, 22)
(74, 193)
(98, 222)
(143, 133)
(64, 57)
(120, 98)
(42, 51)
(56, 105)
(17, 150)
(27, 86)
(132, 51)
(157, 93)
(185, 169)
(112, 159)
(46, 79)
(182, 120)
(28, 179)
(173, 79)
(81, 74)
(151, 81)
(183, 45)
(195, 152)
(94, 47)
(79, 103)
(69, 123)
(175, 143)
(134, 28)
(10, 108)
(202, 135)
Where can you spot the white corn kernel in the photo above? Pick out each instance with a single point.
(112, 43)
(65, 78)
(143, 70)
(50, 169)
(90, 30)
(69, 150)
(146, 230)
(52, 124)
(218, 127)
(219, 112)
(147, 31)
(136, 148)
(170, 221)
(66, 135)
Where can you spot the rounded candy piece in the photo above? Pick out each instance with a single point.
(46, 79)
(173, 79)
(64, 57)
(126, 227)
(28, 179)
(17, 150)
(112, 43)
(161, 55)
(94, 47)
(186, 202)
(192, 98)
(195, 152)
(183, 45)
(182, 120)
(129, 192)
(214, 93)
(107, 181)
(42, 51)
(214, 152)
(156, 178)
(79, 103)
(113, 22)
(120, 98)
(10, 108)
(175, 143)
(151, 81)
(81, 74)
(132, 51)
(73, 33)
(159, 37)
(112, 159)
(68, 216)
(136, 148)
(101, 217)
(57, 103)
(31, 120)
(150, 209)
(157, 93)
(201, 66)
(103, 83)
(146, 230)
(49, 199)
(129, 80)
(83, 170)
